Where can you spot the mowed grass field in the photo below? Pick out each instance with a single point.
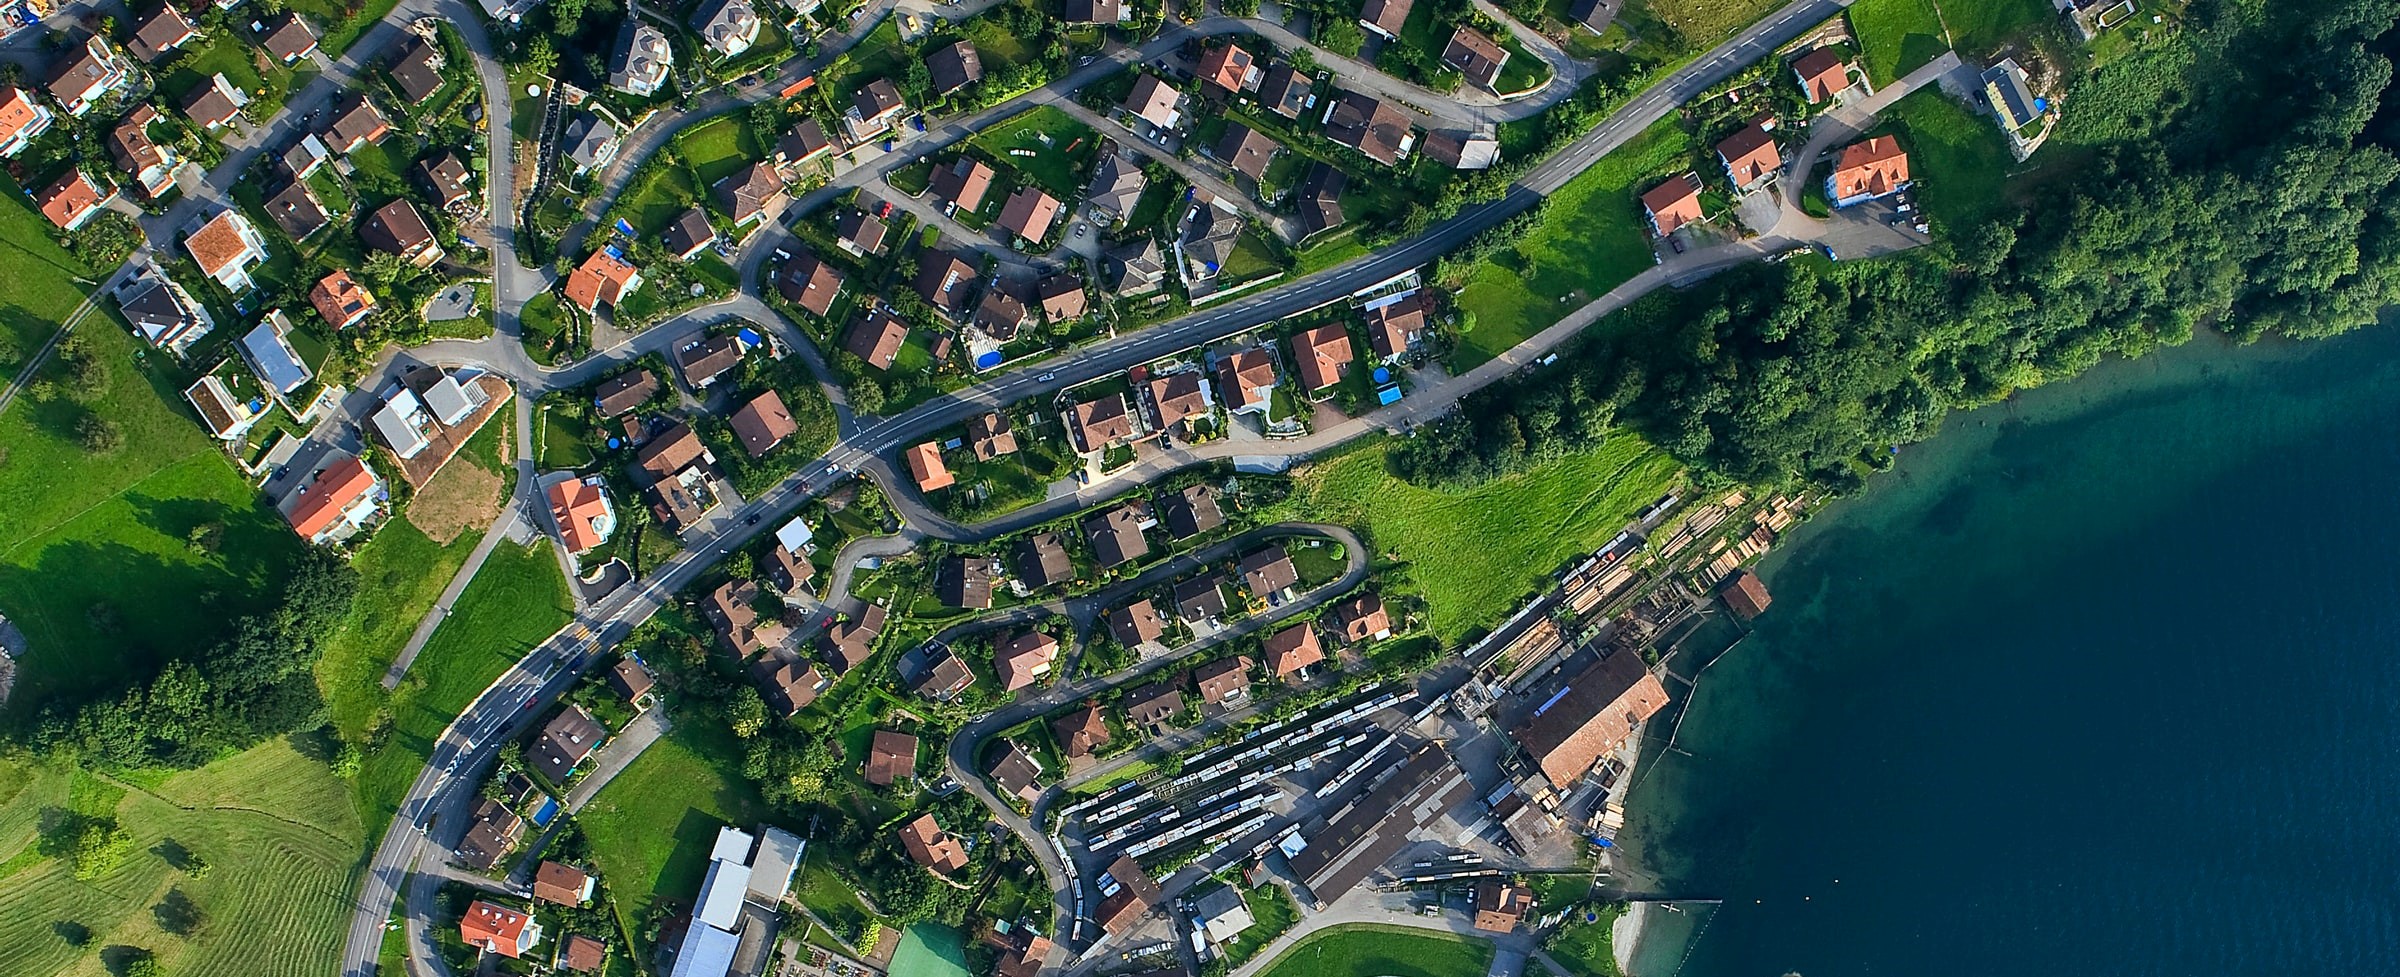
(276, 827)
(1959, 160)
(1981, 27)
(518, 600)
(1896, 37)
(1373, 950)
(1472, 554)
(652, 827)
(1061, 149)
(1593, 239)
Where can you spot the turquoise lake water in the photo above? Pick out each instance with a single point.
(2102, 681)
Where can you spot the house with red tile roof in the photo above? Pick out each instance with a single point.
(341, 300)
(925, 466)
(226, 247)
(21, 119)
(1323, 355)
(1023, 659)
(74, 200)
(1292, 649)
(603, 278)
(1866, 170)
(1822, 74)
(494, 928)
(1672, 204)
(1750, 156)
(1230, 68)
(582, 512)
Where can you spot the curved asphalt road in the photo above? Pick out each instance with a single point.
(435, 803)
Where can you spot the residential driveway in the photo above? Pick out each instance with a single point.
(455, 302)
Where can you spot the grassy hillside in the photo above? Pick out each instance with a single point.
(1474, 553)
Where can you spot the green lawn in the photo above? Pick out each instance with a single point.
(651, 828)
(1982, 27)
(343, 21)
(931, 950)
(878, 55)
(235, 59)
(1703, 23)
(1523, 71)
(1062, 149)
(562, 445)
(1272, 912)
(716, 148)
(824, 892)
(401, 573)
(41, 292)
(1474, 553)
(1587, 947)
(276, 826)
(1959, 159)
(1593, 240)
(1896, 37)
(131, 554)
(1374, 950)
(517, 601)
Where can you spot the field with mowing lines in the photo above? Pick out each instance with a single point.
(1371, 950)
(1473, 553)
(276, 827)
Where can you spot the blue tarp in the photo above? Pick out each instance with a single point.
(750, 337)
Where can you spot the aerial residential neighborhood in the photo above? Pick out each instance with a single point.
(1000, 487)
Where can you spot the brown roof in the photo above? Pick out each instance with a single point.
(1137, 622)
(289, 39)
(1029, 213)
(1285, 90)
(448, 177)
(1153, 101)
(494, 831)
(570, 737)
(1103, 422)
(1042, 560)
(1247, 150)
(1116, 537)
(1268, 571)
(1876, 166)
(891, 758)
(1500, 906)
(1387, 15)
(561, 884)
(1023, 658)
(1324, 355)
(786, 570)
(625, 391)
(852, 642)
(876, 338)
(1154, 703)
(1200, 597)
(356, 121)
(789, 686)
(582, 953)
(953, 67)
(1292, 649)
(209, 106)
(1000, 315)
(1591, 717)
(964, 581)
(1477, 57)
(750, 192)
(1223, 679)
(630, 679)
(1177, 397)
(1822, 73)
(945, 678)
(162, 31)
(930, 846)
(1673, 204)
(413, 70)
(1393, 326)
(877, 98)
(1361, 617)
(990, 436)
(1749, 155)
(763, 423)
(1016, 772)
(703, 362)
(864, 230)
(1136, 894)
(1745, 595)
(964, 182)
(810, 283)
(130, 140)
(669, 451)
(1024, 961)
(1241, 375)
(1063, 297)
(1369, 125)
(945, 280)
(1190, 512)
(1081, 732)
(805, 141)
(925, 465)
(396, 227)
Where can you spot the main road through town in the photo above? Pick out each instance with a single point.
(435, 803)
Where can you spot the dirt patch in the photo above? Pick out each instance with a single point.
(460, 497)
